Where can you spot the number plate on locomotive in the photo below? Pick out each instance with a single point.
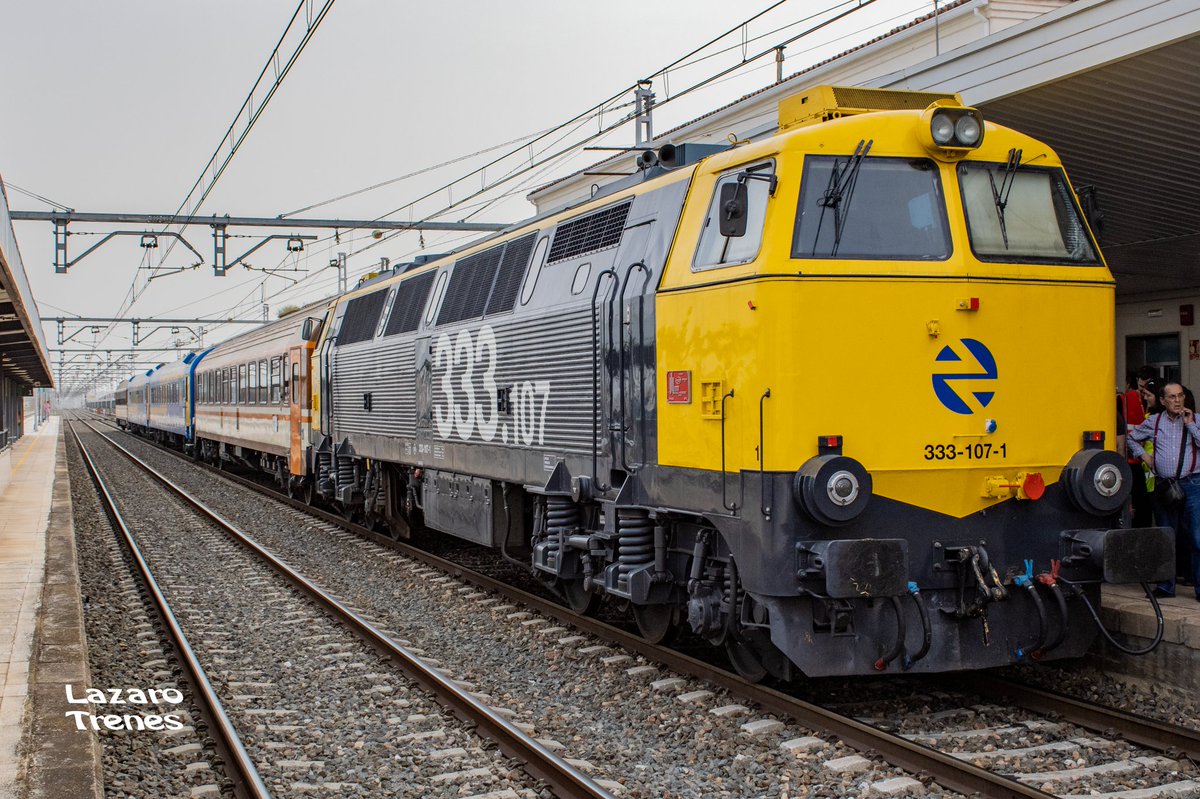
(971, 452)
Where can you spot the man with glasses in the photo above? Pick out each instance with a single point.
(1176, 438)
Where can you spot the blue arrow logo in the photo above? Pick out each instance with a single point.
(941, 382)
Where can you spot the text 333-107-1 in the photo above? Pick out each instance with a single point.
(973, 452)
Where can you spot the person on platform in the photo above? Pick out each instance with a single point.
(1133, 412)
(1175, 436)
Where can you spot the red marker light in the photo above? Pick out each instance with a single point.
(974, 304)
(1034, 485)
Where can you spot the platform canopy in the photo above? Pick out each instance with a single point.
(23, 356)
(1114, 87)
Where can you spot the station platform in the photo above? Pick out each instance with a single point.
(42, 644)
(1175, 663)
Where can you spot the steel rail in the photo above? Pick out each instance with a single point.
(946, 770)
(1150, 733)
(244, 775)
(565, 780)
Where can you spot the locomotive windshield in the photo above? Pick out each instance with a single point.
(874, 208)
(1023, 213)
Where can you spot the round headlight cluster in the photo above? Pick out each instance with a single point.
(956, 127)
(1097, 481)
(832, 489)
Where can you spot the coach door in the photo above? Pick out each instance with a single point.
(294, 366)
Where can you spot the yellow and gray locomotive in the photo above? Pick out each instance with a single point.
(789, 394)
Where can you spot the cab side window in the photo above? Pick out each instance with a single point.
(717, 250)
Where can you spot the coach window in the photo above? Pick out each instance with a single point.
(243, 396)
(716, 250)
(275, 381)
(252, 383)
(262, 382)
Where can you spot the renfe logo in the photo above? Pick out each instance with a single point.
(941, 381)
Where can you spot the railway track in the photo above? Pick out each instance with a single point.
(326, 642)
(1019, 754)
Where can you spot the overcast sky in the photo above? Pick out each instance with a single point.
(116, 106)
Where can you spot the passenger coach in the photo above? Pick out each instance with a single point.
(251, 401)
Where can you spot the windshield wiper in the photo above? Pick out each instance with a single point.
(1000, 196)
(838, 194)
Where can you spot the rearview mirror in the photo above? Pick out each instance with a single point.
(733, 202)
(311, 329)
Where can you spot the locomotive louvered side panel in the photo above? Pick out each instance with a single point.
(556, 348)
(384, 370)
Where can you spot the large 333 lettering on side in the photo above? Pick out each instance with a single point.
(471, 409)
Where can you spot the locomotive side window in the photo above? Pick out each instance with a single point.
(535, 269)
(439, 291)
(871, 208)
(295, 380)
(582, 273)
(1022, 213)
(715, 250)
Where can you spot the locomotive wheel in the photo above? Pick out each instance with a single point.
(398, 528)
(579, 599)
(754, 656)
(744, 659)
(656, 623)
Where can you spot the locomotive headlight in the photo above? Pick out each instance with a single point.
(832, 489)
(948, 131)
(941, 127)
(967, 131)
(1097, 481)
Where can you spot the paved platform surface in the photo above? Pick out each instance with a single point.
(42, 644)
(1176, 661)
(24, 514)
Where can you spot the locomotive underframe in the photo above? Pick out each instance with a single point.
(823, 598)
